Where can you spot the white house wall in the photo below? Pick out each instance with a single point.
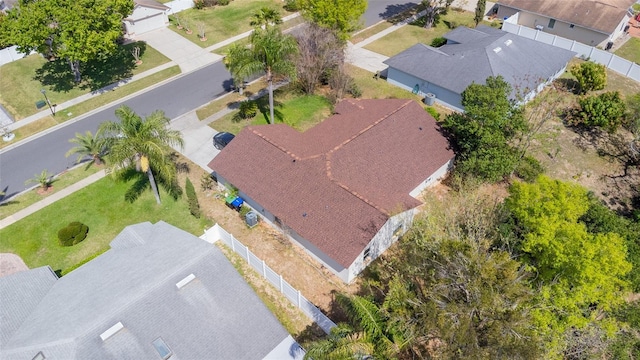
(390, 232)
(433, 179)
(560, 28)
(408, 82)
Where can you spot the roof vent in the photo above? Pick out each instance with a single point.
(111, 331)
(497, 50)
(180, 284)
(508, 42)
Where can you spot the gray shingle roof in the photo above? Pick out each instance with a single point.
(475, 56)
(215, 316)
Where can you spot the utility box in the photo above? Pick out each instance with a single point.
(429, 99)
(251, 218)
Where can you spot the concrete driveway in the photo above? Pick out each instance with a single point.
(183, 52)
(198, 139)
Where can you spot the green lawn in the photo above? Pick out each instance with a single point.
(102, 207)
(630, 50)
(407, 36)
(22, 80)
(299, 111)
(222, 22)
(62, 181)
(91, 104)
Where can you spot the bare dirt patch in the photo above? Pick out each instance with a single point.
(11, 263)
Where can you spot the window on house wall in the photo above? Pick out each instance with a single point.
(552, 23)
(571, 26)
(397, 232)
(366, 256)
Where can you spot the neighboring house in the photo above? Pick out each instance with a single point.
(147, 15)
(346, 189)
(471, 56)
(6, 5)
(591, 22)
(158, 293)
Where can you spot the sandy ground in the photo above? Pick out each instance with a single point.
(11, 263)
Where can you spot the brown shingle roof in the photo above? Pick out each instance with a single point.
(337, 183)
(599, 15)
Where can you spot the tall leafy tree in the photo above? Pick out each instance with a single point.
(485, 132)
(270, 52)
(143, 145)
(95, 146)
(480, 9)
(434, 9)
(342, 16)
(264, 17)
(579, 273)
(76, 30)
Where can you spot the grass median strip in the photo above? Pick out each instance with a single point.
(91, 104)
(60, 182)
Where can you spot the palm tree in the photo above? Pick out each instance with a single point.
(44, 179)
(270, 52)
(265, 17)
(143, 143)
(343, 343)
(89, 145)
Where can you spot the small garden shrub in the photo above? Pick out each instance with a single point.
(194, 205)
(606, 110)
(355, 90)
(206, 182)
(72, 234)
(529, 169)
(439, 41)
(244, 210)
(590, 76)
(248, 109)
(433, 112)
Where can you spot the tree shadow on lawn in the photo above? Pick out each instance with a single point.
(96, 74)
(396, 13)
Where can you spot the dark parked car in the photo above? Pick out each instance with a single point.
(220, 140)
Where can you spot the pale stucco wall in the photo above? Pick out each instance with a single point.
(408, 82)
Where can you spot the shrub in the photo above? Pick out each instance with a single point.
(354, 90)
(72, 234)
(291, 5)
(528, 169)
(248, 109)
(606, 110)
(590, 76)
(206, 182)
(194, 205)
(433, 112)
(244, 210)
(439, 41)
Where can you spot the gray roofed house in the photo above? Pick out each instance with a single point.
(472, 55)
(159, 292)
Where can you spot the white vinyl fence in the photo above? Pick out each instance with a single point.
(613, 62)
(216, 233)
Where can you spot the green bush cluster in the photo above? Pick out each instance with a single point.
(433, 112)
(606, 110)
(248, 109)
(206, 182)
(291, 5)
(201, 4)
(194, 205)
(72, 234)
(528, 169)
(439, 41)
(590, 76)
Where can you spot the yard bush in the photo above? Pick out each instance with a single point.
(528, 169)
(206, 182)
(248, 109)
(72, 234)
(439, 41)
(606, 110)
(291, 5)
(590, 76)
(194, 205)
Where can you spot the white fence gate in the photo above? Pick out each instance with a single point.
(622, 66)
(10, 54)
(216, 233)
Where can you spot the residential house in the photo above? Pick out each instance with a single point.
(147, 15)
(471, 56)
(157, 293)
(591, 22)
(347, 188)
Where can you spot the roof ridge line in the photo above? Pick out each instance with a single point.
(265, 138)
(328, 160)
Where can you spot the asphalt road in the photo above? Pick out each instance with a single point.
(47, 152)
(383, 9)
